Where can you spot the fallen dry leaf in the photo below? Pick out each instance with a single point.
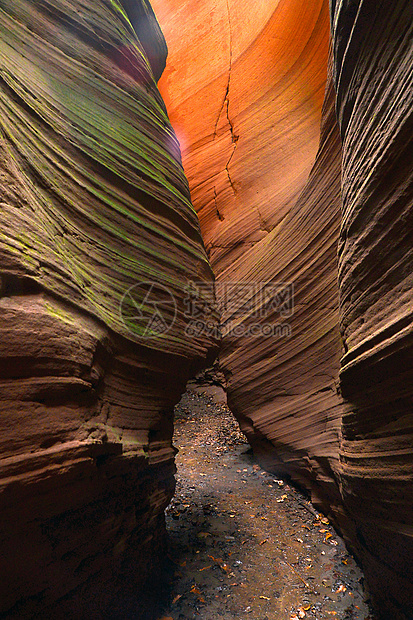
(220, 563)
(177, 597)
(197, 592)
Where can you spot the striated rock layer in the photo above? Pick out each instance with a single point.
(270, 221)
(283, 386)
(373, 55)
(248, 124)
(248, 121)
(93, 202)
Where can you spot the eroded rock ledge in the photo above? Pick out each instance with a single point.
(93, 202)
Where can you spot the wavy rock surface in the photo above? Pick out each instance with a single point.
(283, 386)
(248, 125)
(373, 74)
(249, 121)
(248, 150)
(93, 202)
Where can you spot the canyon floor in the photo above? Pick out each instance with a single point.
(245, 544)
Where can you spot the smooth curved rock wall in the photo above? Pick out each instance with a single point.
(266, 216)
(284, 388)
(246, 110)
(93, 202)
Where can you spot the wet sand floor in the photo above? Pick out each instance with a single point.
(244, 544)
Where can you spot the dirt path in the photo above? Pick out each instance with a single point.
(244, 544)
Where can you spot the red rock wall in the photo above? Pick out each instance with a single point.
(93, 201)
(249, 125)
(284, 387)
(373, 74)
(247, 110)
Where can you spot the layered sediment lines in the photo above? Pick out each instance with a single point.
(283, 385)
(373, 74)
(94, 203)
(246, 110)
(248, 124)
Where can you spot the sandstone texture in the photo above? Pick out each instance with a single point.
(373, 58)
(246, 110)
(93, 202)
(270, 217)
(327, 398)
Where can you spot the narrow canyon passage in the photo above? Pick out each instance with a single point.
(196, 179)
(244, 543)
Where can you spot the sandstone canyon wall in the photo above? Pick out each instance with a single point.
(250, 127)
(246, 110)
(247, 113)
(93, 202)
(373, 53)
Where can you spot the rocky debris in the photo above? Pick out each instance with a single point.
(244, 544)
(220, 429)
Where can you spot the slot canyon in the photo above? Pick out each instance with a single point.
(181, 183)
